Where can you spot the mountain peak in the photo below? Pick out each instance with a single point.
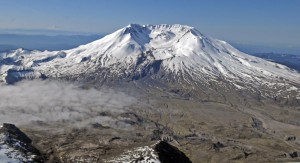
(160, 26)
(175, 50)
(164, 33)
(170, 27)
(133, 25)
(174, 28)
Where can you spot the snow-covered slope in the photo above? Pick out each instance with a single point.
(175, 52)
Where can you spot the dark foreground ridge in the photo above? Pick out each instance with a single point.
(15, 146)
(168, 153)
(161, 151)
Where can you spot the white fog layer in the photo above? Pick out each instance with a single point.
(45, 101)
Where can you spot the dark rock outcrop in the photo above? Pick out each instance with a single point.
(168, 153)
(16, 146)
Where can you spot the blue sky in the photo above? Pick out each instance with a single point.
(264, 22)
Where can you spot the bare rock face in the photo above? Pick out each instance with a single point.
(169, 153)
(161, 152)
(294, 154)
(291, 138)
(15, 146)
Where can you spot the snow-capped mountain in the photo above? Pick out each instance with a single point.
(174, 54)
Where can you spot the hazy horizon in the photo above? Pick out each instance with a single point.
(41, 39)
(259, 23)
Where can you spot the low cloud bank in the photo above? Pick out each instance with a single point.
(62, 103)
